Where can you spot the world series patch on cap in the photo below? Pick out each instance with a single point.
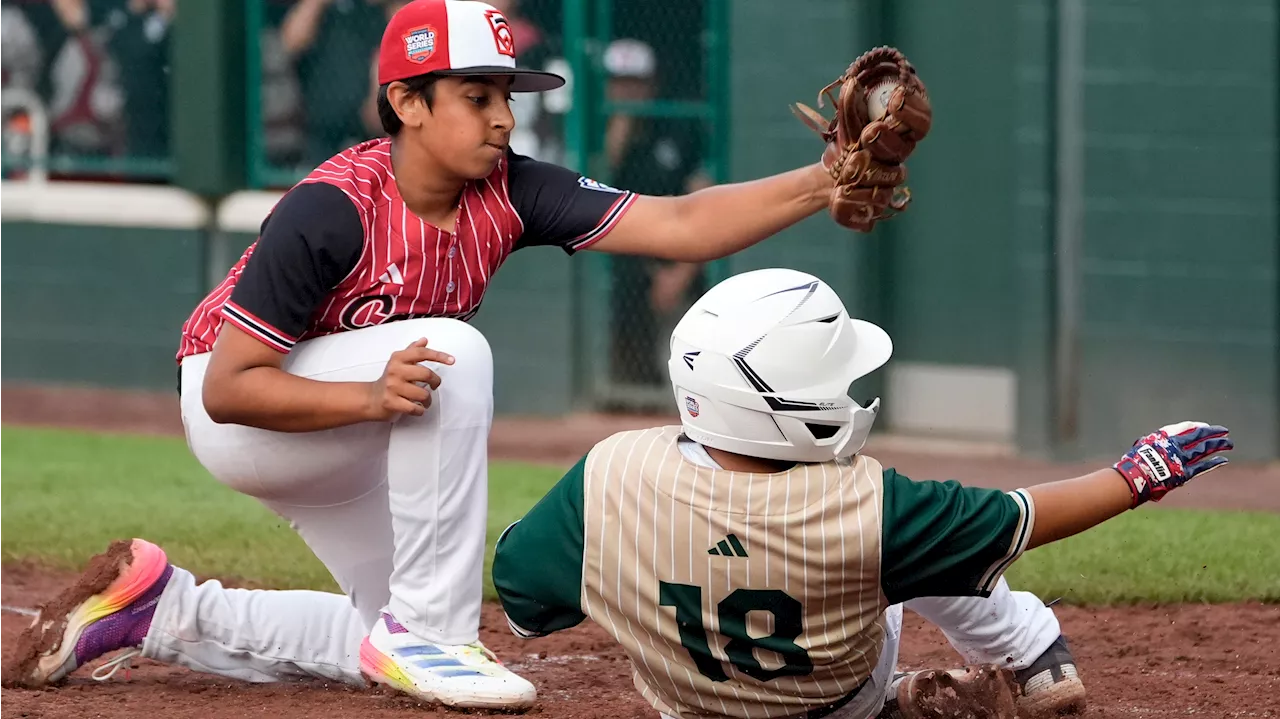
(455, 37)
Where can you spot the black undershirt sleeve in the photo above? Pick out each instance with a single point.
(559, 207)
(308, 244)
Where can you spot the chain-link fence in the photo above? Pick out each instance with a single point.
(314, 92)
(653, 122)
(86, 89)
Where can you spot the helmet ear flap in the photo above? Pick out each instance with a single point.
(861, 419)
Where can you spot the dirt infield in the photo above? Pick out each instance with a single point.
(1211, 661)
(1152, 661)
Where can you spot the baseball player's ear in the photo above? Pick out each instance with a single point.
(406, 103)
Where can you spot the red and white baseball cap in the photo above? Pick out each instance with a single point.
(455, 37)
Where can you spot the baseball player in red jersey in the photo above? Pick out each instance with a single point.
(332, 376)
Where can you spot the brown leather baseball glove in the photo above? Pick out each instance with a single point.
(882, 111)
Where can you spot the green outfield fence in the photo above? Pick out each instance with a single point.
(1093, 249)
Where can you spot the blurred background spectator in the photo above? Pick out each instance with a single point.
(20, 53)
(654, 156)
(100, 70)
(326, 39)
(21, 62)
(86, 101)
(137, 40)
(284, 132)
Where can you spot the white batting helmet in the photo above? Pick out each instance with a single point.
(761, 366)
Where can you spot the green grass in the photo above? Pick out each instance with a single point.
(67, 494)
(1160, 555)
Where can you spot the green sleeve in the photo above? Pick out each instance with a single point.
(537, 565)
(942, 539)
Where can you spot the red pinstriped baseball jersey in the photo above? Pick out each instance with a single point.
(341, 250)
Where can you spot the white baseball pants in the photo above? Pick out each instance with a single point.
(397, 512)
(1009, 629)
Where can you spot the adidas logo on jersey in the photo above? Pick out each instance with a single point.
(728, 547)
(392, 276)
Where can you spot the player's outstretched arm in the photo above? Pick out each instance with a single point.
(718, 221)
(1070, 506)
(1156, 464)
(944, 539)
(882, 113)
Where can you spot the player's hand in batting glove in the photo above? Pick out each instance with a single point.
(405, 385)
(1169, 457)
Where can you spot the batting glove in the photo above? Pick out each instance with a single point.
(1169, 457)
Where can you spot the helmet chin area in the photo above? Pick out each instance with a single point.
(801, 436)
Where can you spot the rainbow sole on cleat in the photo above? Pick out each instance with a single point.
(112, 581)
(382, 669)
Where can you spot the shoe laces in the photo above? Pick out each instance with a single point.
(109, 669)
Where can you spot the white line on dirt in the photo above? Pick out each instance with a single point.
(19, 610)
(529, 661)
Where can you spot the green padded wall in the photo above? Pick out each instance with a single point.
(1033, 226)
(951, 255)
(88, 305)
(768, 139)
(1179, 285)
(529, 317)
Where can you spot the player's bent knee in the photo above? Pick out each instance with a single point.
(464, 342)
(446, 334)
(471, 373)
(469, 342)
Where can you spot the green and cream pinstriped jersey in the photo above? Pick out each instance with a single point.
(815, 533)
(746, 595)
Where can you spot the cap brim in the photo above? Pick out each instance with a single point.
(522, 80)
(874, 348)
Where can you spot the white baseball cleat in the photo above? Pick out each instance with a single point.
(459, 675)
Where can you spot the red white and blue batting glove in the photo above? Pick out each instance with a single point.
(1169, 457)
